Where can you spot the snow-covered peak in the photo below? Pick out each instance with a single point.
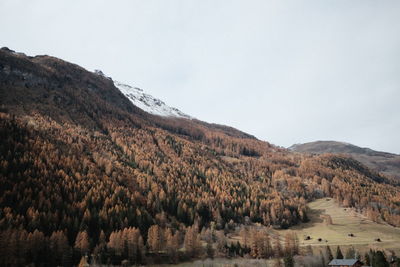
(149, 103)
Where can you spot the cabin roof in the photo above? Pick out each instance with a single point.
(339, 262)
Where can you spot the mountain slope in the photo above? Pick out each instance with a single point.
(383, 162)
(148, 103)
(84, 171)
(67, 92)
(145, 101)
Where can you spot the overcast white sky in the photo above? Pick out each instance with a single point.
(285, 71)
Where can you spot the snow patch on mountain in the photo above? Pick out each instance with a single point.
(145, 101)
(149, 103)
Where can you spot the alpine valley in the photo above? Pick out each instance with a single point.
(93, 170)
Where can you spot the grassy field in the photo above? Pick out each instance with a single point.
(345, 221)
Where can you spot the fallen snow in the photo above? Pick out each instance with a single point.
(145, 101)
(149, 103)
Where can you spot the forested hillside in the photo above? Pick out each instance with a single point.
(386, 163)
(84, 172)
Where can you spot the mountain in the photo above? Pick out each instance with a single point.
(67, 92)
(84, 171)
(383, 162)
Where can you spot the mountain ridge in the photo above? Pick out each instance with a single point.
(55, 81)
(384, 162)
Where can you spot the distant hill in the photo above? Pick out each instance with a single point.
(383, 162)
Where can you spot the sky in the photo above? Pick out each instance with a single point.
(285, 71)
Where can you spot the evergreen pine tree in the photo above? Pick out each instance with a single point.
(209, 250)
(328, 253)
(339, 254)
(322, 259)
(83, 262)
(379, 260)
(82, 243)
(367, 259)
(288, 260)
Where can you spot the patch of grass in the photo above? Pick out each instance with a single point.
(345, 221)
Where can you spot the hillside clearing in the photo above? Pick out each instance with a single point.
(345, 222)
